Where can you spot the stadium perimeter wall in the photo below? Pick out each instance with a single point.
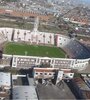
(46, 38)
(26, 62)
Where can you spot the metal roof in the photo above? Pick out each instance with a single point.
(24, 92)
(5, 79)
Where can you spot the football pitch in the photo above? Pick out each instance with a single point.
(33, 50)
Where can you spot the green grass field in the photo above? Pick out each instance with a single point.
(33, 50)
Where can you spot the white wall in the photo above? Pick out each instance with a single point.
(29, 61)
(59, 76)
(62, 40)
(44, 74)
(31, 36)
(68, 75)
(7, 32)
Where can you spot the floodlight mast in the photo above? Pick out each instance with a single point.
(35, 30)
(36, 24)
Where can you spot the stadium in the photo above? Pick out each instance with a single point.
(27, 48)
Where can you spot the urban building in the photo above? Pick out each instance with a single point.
(5, 85)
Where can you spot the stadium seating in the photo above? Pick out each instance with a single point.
(73, 47)
(78, 50)
(16, 35)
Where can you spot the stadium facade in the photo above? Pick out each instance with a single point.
(79, 54)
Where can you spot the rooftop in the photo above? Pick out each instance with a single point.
(5, 79)
(52, 92)
(24, 92)
(81, 84)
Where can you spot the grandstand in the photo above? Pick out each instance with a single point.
(78, 53)
(73, 47)
(25, 62)
(77, 50)
(19, 35)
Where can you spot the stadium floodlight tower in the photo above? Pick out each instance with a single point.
(36, 24)
(35, 31)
